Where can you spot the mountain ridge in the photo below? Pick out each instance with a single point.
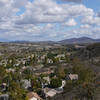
(80, 40)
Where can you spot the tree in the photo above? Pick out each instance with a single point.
(2, 73)
(67, 59)
(69, 86)
(85, 73)
(46, 60)
(51, 55)
(55, 82)
(35, 59)
(55, 60)
(16, 93)
(86, 91)
(60, 72)
(35, 84)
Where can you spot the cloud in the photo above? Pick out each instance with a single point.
(19, 3)
(46, 20)
(91, 20)
(70, 22)
(48, 11)
(9, 8)
(85, 26)
(98, 14)
(76, 1)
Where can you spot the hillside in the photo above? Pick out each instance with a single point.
(91, 51)
(79, 40)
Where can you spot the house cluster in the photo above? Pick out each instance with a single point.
(47, 92)
(51, 92)
(37, 69)
(26, 60)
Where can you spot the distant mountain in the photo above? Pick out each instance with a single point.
(80, 40)
(18, 41)
(36, 42)
(3, 40)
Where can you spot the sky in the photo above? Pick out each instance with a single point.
(45, 20)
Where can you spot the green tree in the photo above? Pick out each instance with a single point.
(55, 82)
(86, 91)
(35, 84)
(16, 93)
(85, 73)
(60, 72)
(67, 59)
(46, 60)
(2, 73)
(69, 86)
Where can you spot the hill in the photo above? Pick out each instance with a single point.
(79, 40)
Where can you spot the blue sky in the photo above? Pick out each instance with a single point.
(42, 20)
(94, 4)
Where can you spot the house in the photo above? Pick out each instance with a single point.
(45, 82)
(73, 76)
(60, 55)
(49, 92)
(43, 57)
(47, 79)
(33, 96)
(4, 97)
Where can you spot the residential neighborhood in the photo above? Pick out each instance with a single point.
(43, 74)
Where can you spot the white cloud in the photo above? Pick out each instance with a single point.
(19, 3)
(42, 19)
(91, 20)
(77, 1)
(48, 11)
(70, 22)
(85, 26)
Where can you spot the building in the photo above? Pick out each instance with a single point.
(73, 76)
(47, 79)
(49, 92)
(33, 96)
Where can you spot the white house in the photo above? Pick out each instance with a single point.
(50, 92)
